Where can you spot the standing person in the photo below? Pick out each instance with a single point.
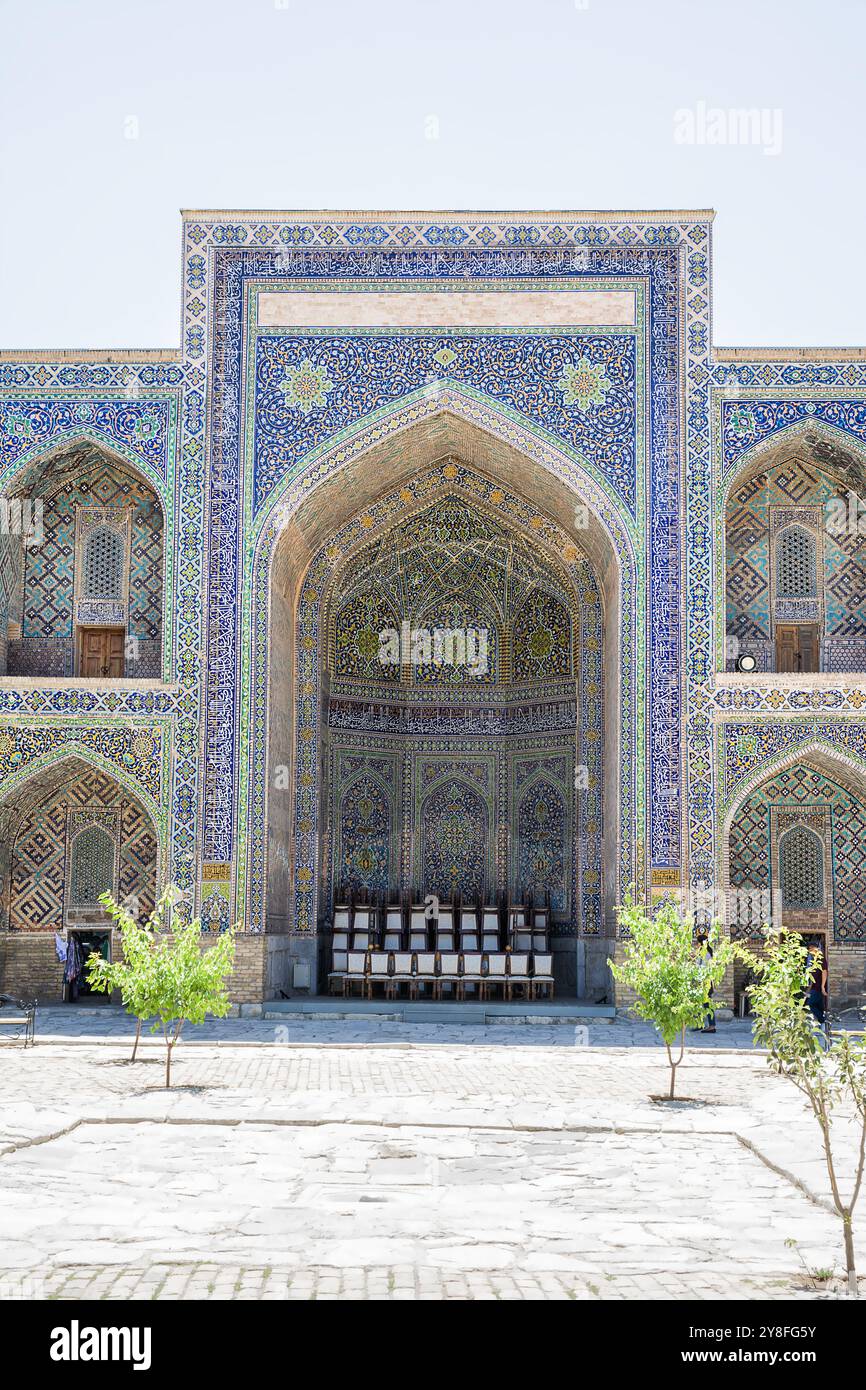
(706, 953)
(816, 998)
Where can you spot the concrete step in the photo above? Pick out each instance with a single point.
(426, 1011)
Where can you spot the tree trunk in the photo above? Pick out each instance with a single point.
(137, 1036)
(673, 1066)
(168, 1047)
(848, 1228)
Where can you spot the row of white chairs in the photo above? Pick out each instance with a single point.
(483, 971)
(364, 918)
(443, 939)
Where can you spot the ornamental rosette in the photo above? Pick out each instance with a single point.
(307, 386)
(583, 383)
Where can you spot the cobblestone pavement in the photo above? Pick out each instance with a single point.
(407, 1165)
(74, 1023)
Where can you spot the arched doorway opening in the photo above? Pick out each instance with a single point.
(82, 557)
(316, 544)
(69, 833)
(795, 855)
(795, 555)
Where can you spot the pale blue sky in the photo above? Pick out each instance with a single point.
(298, 103)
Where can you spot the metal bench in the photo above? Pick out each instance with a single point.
(18, 1013)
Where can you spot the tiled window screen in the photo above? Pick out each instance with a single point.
(92, 866)
(801, 856)
(795, 564)
(103, 564)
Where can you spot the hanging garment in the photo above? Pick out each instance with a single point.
(60, 946)
(73, 961)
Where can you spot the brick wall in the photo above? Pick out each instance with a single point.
(29, 966)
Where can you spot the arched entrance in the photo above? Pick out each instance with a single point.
(82, 560)
(795, 855)
(324, 535)
(795, 554)
(68, 833)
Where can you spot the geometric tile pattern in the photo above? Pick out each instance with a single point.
(729, 408)
(42, 875)
(750, 839)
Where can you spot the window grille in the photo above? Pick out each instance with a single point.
(796, 575)
(92, 866)
(801, 856)
(104, 555)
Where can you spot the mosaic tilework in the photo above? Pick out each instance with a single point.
(233, 268)
(375, 722)
(138, 430)
(669, 262)
(40, 868)
(804, 786)
(521, 373)
(149, 415)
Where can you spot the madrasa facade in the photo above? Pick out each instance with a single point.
(446, 556)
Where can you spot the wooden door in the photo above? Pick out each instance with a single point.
(102, 650)
(796, 647)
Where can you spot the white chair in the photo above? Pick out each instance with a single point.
(404, 970)
(379, 972)
(449, 973)
(521, 940)
(337, 973)
(490, 929)
(496, 976)
(473, 972)
(363, 919)
(340, 941)
(418, 928)
(518, 974)
(542, 974)
(517, 917)
(360, 941)
(541, 929)
(341, 919)
(425, 970)
(469, 940)
(445, 920)
(356, 971)
(393, 929)
(468, 919)
(444, 939)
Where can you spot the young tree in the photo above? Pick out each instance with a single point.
(132, 975)
(166, 977)
(670, 975)
(190, 983)
(828, 1077)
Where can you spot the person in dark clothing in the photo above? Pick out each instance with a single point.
(706, 952)
(816, 997)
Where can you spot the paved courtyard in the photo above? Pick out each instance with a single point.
(362, 1158)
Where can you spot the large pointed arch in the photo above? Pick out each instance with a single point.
(844, 771)
(745, 548)
(559, 490)
(48, 563)
(45, 778)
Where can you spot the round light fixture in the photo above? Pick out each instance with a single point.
(746, 662)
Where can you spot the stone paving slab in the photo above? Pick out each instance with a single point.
(548, 1169)
(70, 1023)
(467, 1200)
